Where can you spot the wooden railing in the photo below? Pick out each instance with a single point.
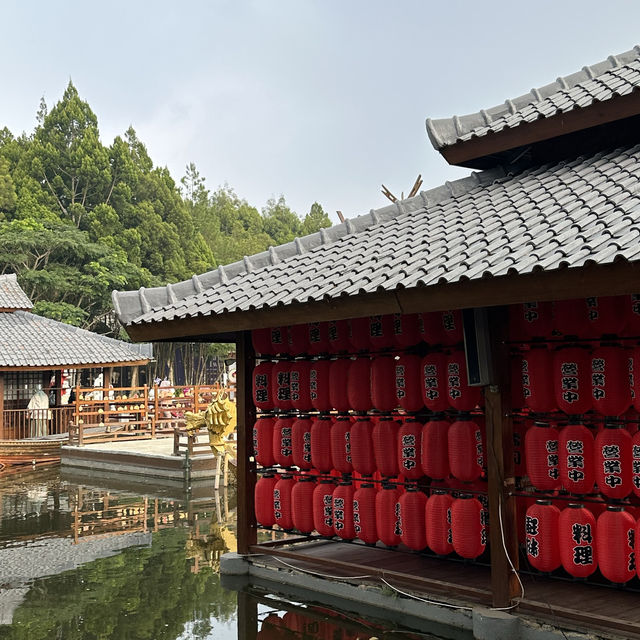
(18, 424)
(113, 413)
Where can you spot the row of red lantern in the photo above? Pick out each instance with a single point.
(574, 539)
(572, 459)
(437, 381)
(589, 318)
(577, 379)
(436, 449)
(371, 333)
(442, 523)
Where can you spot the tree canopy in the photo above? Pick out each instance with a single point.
(79, 219)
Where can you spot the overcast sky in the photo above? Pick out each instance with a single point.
(318, 100)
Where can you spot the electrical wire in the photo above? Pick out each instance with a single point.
(321, 575)
(434, 602)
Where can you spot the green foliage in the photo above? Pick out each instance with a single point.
(78, 218)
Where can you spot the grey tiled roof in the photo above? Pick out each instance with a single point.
(11, 294)
(617, 75)
(489, 224)
(28, 340)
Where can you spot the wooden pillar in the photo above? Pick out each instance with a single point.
(135, 376)
(247, 530)
(501, 480)
(58, 387)
(1, 405)
(247, 616)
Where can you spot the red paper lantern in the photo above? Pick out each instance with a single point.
(302, 500)
(359, 334)
(321, 443)
(576, 539)
(381, 333)
(443, 327)
(468, 527)
(300, 385)
(635, 463)
(362, 452)
(262, 392)
(434, 381)
(319, 386)
(632, 315)
(615, 536)
(541, 456)
(407, 329)
(343, 511)
(279, 338)
(263, 499)
(517, 378)
(338, 384)
(605, 316)
(610, 380)
(460, 395)
(261, 341)
(435, 449)
(282, 502)
(281, 385)
(572, 380)
(518, 448)
(536, 383)
(408, 383)
(413, 505)
(323, 507)
(263, 441)
(385, 446)
(531, 320)
(541, 526)
(614, 462)
(298, 337)
(283, 442)
(388, 521)
(301, 442)
(466, 450)
(318, 337)
(409, 449)
(438, 523)
(571, 317)
(576, 448)
(338, 336)
(359, 384)
(383, 383)
(364, 513)
(341, 445)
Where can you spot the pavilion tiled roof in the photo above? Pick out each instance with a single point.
(11, 294)
(616, 76)
(28, 340)
(490, 224)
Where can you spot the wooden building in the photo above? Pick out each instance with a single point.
(546, 230)
(35, 355)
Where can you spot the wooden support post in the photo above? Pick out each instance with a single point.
(58, 387)
(501, 481)
(135, 373)
(1, 405)
(247, 530)
(247, 617)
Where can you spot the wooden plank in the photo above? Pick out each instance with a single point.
(246, 466)
(618, 278)
(503, 537)
(528, 133)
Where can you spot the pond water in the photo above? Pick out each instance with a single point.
(81, 561)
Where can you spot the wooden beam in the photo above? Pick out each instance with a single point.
(246, 466)
(529, 133)
(503, 537)
(619, 278)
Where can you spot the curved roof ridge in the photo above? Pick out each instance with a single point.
(444, 132)
(130, 305)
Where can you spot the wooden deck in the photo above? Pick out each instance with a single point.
(563, 603)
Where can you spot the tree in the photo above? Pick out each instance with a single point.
(282, 224)
(315, 220)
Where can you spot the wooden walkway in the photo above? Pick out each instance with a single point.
(563, 603)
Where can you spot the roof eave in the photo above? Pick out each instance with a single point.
(86, 365)
(466, 153)
(619, 278)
